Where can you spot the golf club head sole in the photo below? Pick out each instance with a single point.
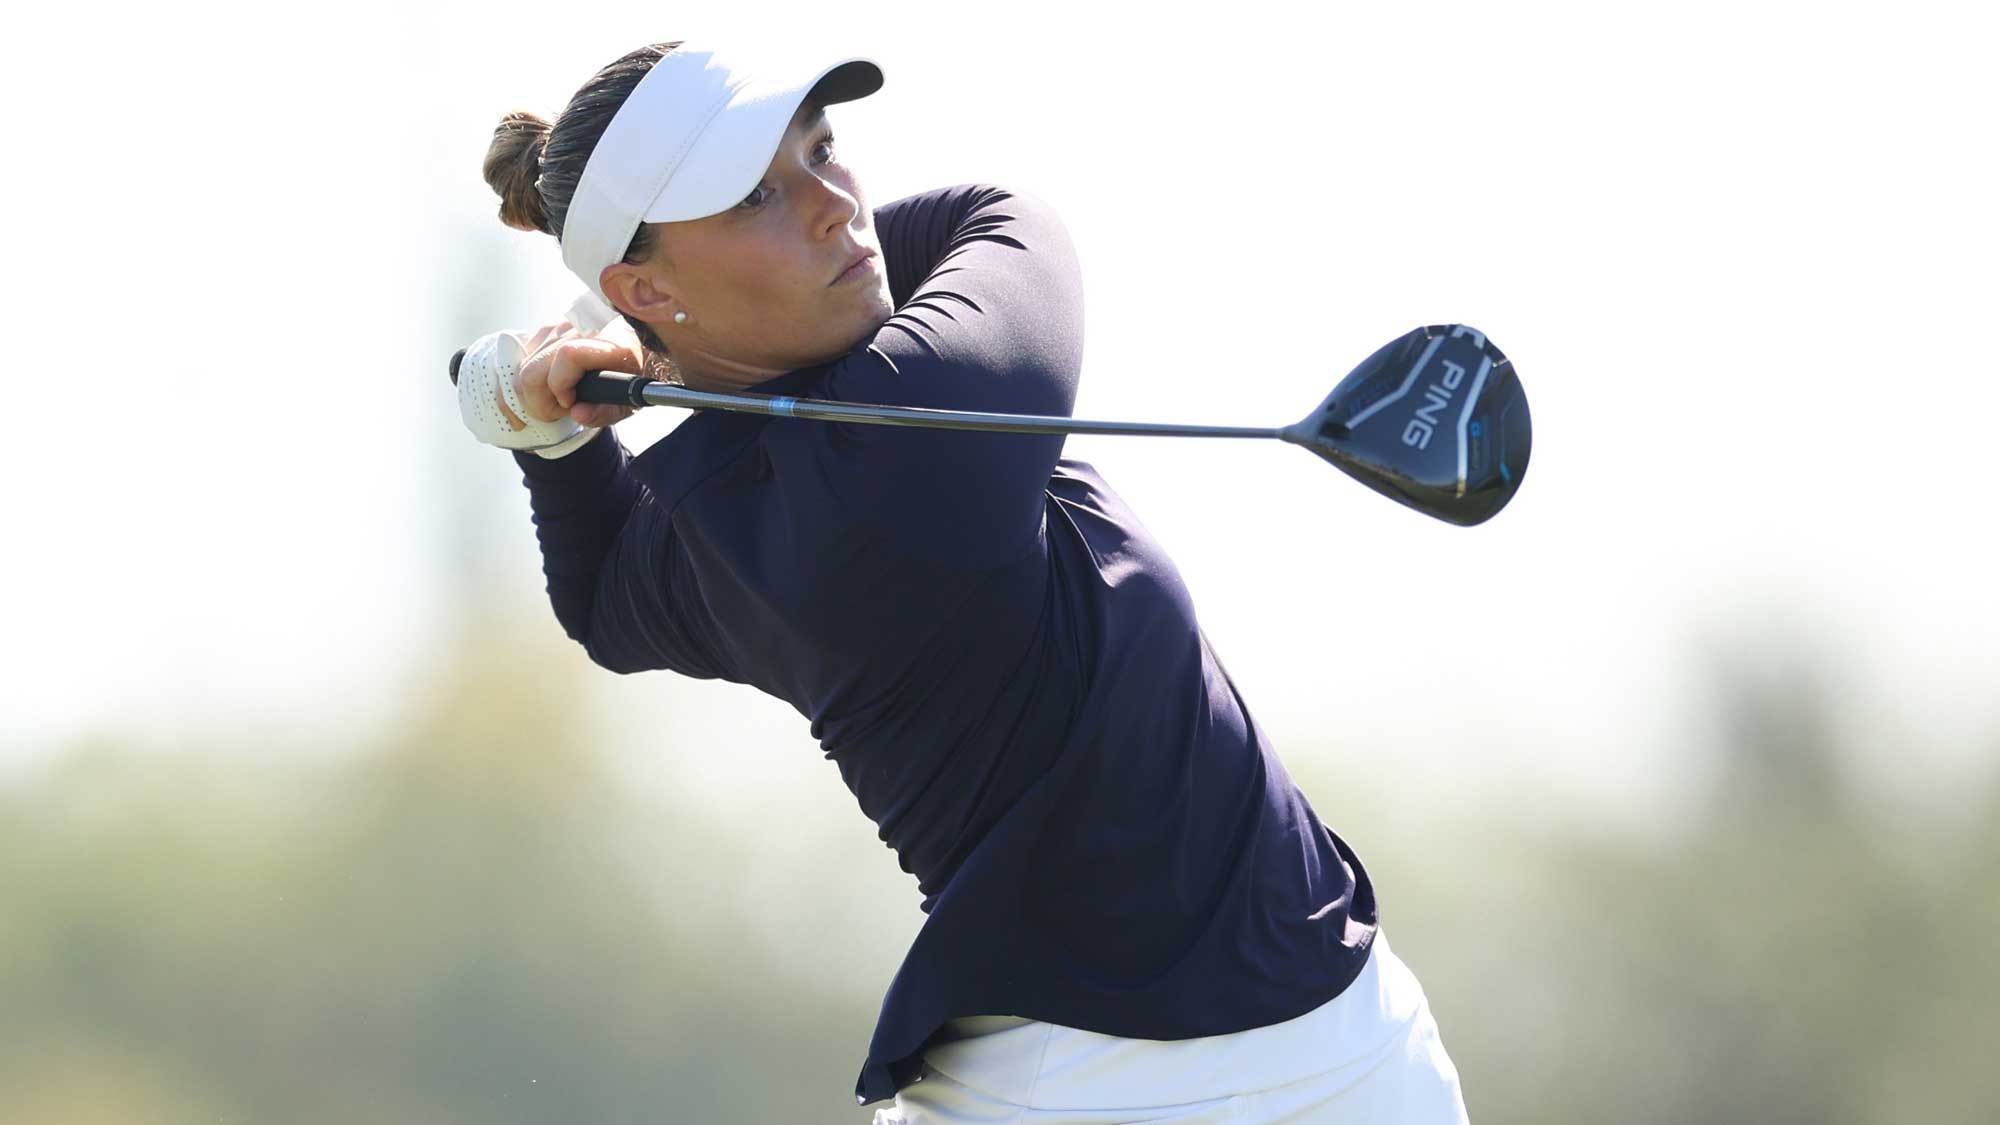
(1436, 420)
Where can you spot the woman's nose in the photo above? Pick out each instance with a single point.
(833, 206)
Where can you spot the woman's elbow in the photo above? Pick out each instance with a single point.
(622, 659)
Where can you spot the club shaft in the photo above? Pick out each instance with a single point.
(624, 390)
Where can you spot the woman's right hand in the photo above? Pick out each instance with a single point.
(557, 362)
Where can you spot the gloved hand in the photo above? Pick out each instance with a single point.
(519, 392)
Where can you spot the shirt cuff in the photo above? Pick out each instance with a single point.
(599, 455)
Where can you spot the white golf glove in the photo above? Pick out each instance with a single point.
(487, 377)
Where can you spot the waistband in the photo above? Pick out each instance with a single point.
(1043, 1065)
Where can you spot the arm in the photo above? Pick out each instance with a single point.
(580, 504)
(615, 574)
(989, 301)
(608, 550)
(609, 557)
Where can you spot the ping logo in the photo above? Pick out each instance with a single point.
(1437, 396)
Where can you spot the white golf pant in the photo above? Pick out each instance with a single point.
(1370, 1056)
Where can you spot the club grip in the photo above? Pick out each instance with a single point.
(612, 388)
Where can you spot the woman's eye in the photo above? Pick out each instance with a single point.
(761, 195)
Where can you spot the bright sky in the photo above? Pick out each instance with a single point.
(1742, 254)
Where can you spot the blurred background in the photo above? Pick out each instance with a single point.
(1678, 780)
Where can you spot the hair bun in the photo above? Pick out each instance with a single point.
(513, 165)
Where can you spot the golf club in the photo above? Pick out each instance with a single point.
(1435, 420)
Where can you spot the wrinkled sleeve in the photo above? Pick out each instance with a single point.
(616, 578)
(989, 317)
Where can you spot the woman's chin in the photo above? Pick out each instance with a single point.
(877, 312)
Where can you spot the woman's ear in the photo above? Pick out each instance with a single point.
(633, 291)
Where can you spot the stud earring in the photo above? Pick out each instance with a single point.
(680, 318)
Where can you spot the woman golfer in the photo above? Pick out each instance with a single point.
(1134, 915)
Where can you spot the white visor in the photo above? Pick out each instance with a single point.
(693, 139)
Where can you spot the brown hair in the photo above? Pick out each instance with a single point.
(534, 166)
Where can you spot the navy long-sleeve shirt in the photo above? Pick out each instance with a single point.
(1003, 664)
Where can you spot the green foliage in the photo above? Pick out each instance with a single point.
(1791, 955)
(438, 929)
(474, 921)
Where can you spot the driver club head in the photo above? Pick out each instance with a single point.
(1435, 419)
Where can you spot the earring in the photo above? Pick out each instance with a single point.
(680, 318)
